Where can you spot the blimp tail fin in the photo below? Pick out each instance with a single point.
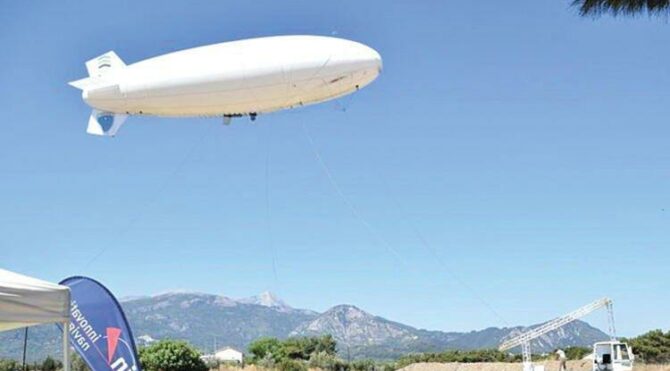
(87, 83)
(106, 64)
(100, 69)
(105, 123)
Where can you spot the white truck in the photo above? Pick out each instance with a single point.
(612, 356)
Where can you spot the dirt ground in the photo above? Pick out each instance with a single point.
(548, 366)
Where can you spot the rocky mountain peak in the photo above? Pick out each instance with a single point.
(348, 313)
(267, 299)
(351, 325)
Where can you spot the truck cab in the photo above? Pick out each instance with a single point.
(612, 356)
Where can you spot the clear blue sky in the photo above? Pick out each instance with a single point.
(527, 145)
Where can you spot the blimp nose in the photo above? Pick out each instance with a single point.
(376, 59)
(369, 56)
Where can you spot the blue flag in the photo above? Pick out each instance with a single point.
(99, 331)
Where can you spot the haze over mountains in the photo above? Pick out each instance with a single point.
(207, 321)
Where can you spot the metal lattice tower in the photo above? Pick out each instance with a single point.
(525, 338)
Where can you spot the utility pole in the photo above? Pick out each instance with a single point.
(25, 346)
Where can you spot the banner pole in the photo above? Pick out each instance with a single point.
(66, 346)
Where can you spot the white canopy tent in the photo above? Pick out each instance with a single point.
(27, 301)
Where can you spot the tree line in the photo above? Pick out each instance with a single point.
(302, 353)
(651, 347)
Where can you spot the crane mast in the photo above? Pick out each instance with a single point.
(525, 338)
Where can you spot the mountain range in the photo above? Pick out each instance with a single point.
(212, 321)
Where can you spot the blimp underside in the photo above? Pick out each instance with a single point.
(235, 78)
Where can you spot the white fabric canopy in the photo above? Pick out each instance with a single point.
(27, 301)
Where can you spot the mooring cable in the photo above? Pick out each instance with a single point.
(352, 208)
(372, 231)
(433, 251)
(156, 196)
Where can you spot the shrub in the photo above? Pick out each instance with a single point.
(270, 350)
(364, 365)
(291, 365)
(266, 349)
(577, 353)
(170, 355)
(78, 363)
(50, 364)
(326, 361)
(9, 365)
(652, 347)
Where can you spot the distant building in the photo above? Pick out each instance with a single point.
(226, 354)
(145, 340)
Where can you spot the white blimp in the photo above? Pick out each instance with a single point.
(231, 79)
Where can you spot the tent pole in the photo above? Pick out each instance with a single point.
(25, 346)
(66, 346)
